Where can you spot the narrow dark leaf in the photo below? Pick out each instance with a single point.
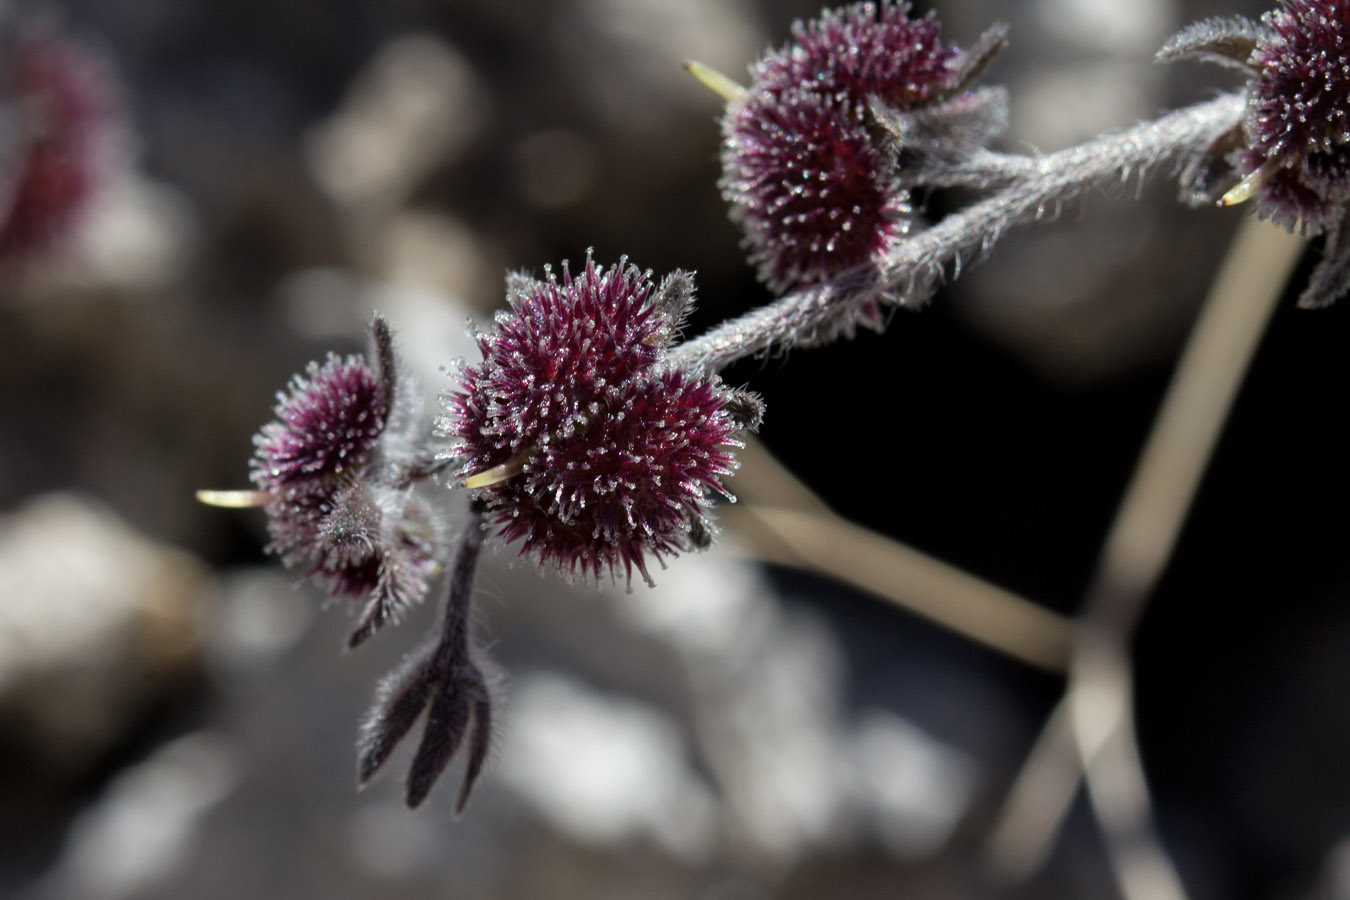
(700, 531)
(372, 617)
(400, 581)
(1206, 174)
(745, 408)
(447, 722)
(386, 364)
(944, 132)
(675, 299)
(399, 700)
(973, 118)
(974, 59)
(478, 748)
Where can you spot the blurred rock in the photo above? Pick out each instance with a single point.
(136, 240)
(96, 623)
(604, 771)
(797, 774)
(1108, 26)
(430, 325)
(629, 54)
(144, 826)
(414, 107)
(258, 618)
(437, 252)
(914, 788)
(555, 168)
(140, 236)
(1335, 884)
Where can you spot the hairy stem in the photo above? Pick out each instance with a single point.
(818, 313)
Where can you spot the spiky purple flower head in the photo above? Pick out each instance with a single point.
(1292, 149)
(811, 185)
(326, 424)
(809, 174)
(584, 445)
(336, 506)
(1299, 111)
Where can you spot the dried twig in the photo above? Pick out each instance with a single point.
(1095, 716)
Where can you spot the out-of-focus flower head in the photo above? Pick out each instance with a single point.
(1291, 152)
(584, 445)
(337, 503)
(62, 132)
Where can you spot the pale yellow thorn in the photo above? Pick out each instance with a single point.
(715, 81)
(497, 474)
(1244, 189)
(234, 499)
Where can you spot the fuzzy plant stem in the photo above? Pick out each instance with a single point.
(442, 679)
(814, 315)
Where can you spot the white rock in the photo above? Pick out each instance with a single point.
(92, 614)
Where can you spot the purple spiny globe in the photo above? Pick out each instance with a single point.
(352, 526)
(1299, 102)
(808, 173)
(603, 455)
(1299, 111)
(325, 425)
(810, 185)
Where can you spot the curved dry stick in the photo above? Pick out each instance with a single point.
(1094, 718)
(787, 524)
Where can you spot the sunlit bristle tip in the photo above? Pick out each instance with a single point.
(234, 499)
(497, 474)
(1245, 189)
(715, 81)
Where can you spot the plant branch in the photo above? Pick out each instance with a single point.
(819, 313)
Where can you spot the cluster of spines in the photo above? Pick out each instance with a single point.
(1299, 117)
(809, 172)
(1300, 101)
(602, 457)
(1291, 153)
(332, 510)
(864, 50)
(327, 422)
